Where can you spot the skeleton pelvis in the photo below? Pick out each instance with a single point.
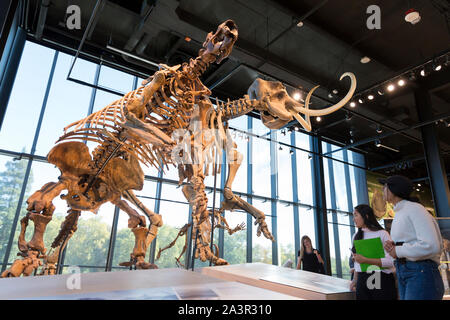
(71, 157)
(77, 171)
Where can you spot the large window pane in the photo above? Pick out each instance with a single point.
(115, 79)
(235, 245)
(125, 237)
(26, 99)
(285, 234)
(261, 160)
(89, 245)
(175, 216)
(240, 180)
(304, 178)
(284, 167)
(67, 102)
(307, 224)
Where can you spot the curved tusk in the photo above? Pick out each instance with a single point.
(335, 107)
(306, 123)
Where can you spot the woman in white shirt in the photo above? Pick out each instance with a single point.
(378, 282)
(416, 245)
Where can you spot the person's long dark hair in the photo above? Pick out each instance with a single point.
(369, 219)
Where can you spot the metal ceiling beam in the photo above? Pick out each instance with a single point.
(136, 34)
(94, 22)
(45, 4)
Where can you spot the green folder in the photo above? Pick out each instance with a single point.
(369, 248)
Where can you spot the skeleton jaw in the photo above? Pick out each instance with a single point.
(218, 46)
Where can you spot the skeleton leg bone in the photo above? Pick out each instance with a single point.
(232, 202)
(68, 227)
(143, 235)
(40, 210)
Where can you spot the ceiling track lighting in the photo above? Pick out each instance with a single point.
(401, 80)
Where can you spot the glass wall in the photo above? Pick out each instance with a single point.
(275, 177)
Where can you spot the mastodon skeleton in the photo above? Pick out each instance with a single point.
(168, 121)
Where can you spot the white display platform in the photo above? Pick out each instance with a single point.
(298, 283)
(155, 284)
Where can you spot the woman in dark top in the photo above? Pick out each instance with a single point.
(309, 257)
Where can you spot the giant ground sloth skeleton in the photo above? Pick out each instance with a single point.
(169, 120)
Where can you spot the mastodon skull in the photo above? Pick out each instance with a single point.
(279, 108)
(218, 46)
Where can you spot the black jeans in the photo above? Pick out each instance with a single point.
(375, 285)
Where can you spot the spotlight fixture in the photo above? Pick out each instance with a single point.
(423, 72)
(280, 148)
(401, 82)
(283, 132)
(377, 143)
(391, 87)
(412, 16)
(436, 66)
(330, 95)
(352, 104)
(370, 97)
(335, 91)
(291, 151)
(379, 129)
(419, 185)
(380, 92)
(365, 60)
(300, 24)
(296, 96)
(360, 100)
(318, 119)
